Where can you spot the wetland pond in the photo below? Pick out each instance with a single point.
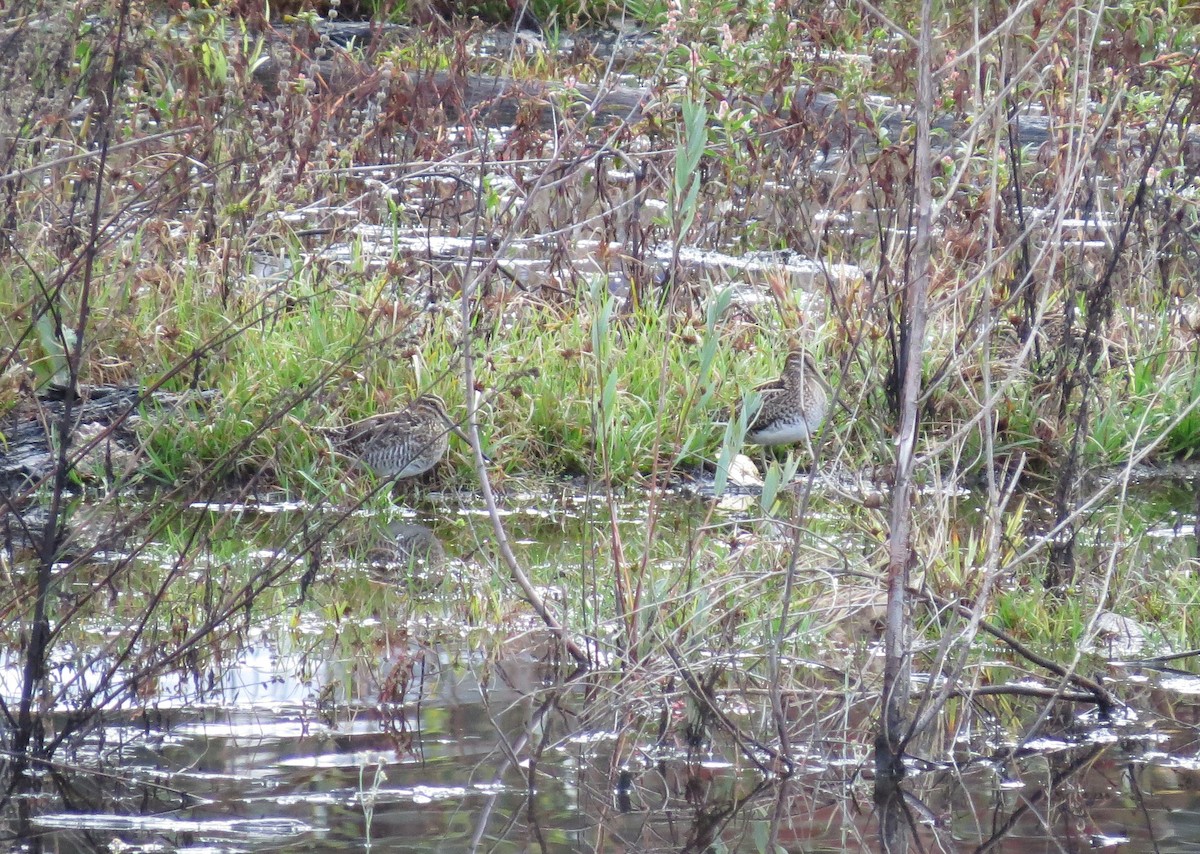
(387, 688)
(295, 222)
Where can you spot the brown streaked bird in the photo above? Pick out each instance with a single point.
(399, 444)
(794, 406)
(406, 551)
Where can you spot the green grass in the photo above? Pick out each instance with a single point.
(220, 175)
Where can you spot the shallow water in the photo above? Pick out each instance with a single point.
(402, 698)
(264, 772)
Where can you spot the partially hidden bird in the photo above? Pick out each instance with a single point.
(794, 406)
(399, 444)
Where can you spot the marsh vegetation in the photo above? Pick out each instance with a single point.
(226, 235)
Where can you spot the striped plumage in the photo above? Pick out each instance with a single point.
(399, 444)
(793, 406)
(408, 547)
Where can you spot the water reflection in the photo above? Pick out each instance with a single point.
(381, 706)
(405, 551)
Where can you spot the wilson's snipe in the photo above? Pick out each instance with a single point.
(405, 550)
(399, 444)
(793, 406)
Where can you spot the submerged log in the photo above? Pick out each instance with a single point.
(347, 70)
(102, 417)
(491, 100)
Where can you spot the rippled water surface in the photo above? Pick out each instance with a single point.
(390, 691)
